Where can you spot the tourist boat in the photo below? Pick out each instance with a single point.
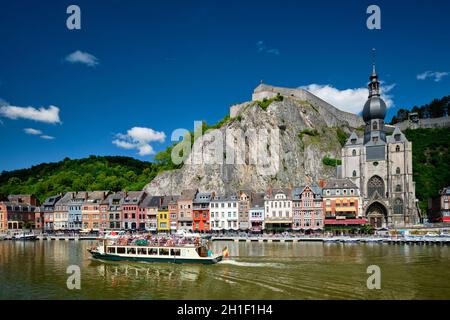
(3, 236)
(188, 253)
(24, 236)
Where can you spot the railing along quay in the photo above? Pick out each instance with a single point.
(416, 241)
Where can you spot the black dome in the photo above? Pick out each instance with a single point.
(375, 108)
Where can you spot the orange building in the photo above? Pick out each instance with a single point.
(342, 206)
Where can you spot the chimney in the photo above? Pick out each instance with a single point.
(322, 183)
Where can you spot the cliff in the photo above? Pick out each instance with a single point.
(308, 129)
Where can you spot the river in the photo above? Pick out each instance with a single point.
(306, 270)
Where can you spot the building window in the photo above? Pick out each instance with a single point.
(398, 206)
(397, 171)
(354, 173)
(375, 184)
(397, 149)
(354, 152)
(375, 126)
(398, 188)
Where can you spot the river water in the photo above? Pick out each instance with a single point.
(314, 270)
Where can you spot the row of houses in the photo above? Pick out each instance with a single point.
(333, 204)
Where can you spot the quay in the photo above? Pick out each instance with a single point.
(385, 240)
(66, 238)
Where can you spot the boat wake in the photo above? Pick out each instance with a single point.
(251, 264)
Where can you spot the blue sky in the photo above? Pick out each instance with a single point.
(163, 64)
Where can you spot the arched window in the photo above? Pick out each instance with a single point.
(398, 206)
(354, 173)
(397, 149)
(398, 188)
(375, 126)
(397, 171)
(375, 184)
(354, 152)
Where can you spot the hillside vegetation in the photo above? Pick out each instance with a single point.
(92, 173)
(431, 161)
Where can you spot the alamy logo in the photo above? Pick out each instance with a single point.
(74, 280)
(73, 22)
(374, 280)
(374, 20)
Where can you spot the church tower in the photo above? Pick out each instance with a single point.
(380, 164)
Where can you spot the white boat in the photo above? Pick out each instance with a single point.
(174, 254)
(24, 236)
(3, 236)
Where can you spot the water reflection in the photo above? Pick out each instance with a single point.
(30, 270)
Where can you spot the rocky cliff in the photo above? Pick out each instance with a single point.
(308, 130)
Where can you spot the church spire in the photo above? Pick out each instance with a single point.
(374, 85)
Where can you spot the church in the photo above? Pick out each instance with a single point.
(380, 164)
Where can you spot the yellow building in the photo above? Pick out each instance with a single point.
(163, 216)
(163, 220)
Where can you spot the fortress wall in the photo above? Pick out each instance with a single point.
(267, 91)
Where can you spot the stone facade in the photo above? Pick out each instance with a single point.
(380, 165)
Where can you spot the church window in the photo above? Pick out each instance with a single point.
(353, 141)
(398, 206)
(375, 126)
(375, 139)
(354, 152)
(397, 137)
(354, 173)
(397, 148)
(398, 188)
(397, 171)
(375, 184)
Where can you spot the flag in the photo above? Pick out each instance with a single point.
(225, 252)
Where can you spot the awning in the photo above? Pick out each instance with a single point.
(345, 222)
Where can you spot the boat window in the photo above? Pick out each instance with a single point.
(142, 251)
(153, 251)
(111, 249)
(175, 252)
(131, 250)
(120, 250)
(163, 252)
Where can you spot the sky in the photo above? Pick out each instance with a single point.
(138, 70)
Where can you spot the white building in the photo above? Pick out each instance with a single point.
(224, 213)
(278, 210)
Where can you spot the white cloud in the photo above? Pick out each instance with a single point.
(32, 131)
(46, 137)
(261, 47)
(350, 100)
(435, 75)
(49, 115)
(82, 57)
(139, 138)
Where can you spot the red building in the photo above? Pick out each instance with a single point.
(133, 215)
(201, 215)
(18, 213)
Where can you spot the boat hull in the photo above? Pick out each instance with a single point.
(112, 257)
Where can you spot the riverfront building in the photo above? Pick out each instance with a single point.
(342, 205)
(244, 206)
(224, 212)
(201, 211)
(439, 207)
(307, 210)
(278, 210)
(163, 215)
(256, 213)
(185, 205)
(133, 213)
(47, 210)
(18, 213)
(61, 213)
